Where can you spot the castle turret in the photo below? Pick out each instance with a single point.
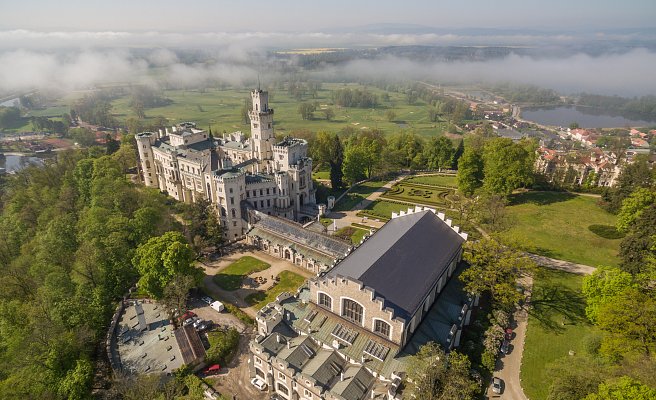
(262, 125)
(145, 142)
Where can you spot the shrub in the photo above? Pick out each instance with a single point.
(606, 231)
(222, 346)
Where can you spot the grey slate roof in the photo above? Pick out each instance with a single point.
(411, 251)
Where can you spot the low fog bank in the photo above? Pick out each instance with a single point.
(625, 72)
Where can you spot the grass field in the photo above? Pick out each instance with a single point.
(556, 325)
(382, 209)
(357, 194)
(556, 224)
(419, 194)
(231, 277)
(221, 109)
(434, 180)
(289, 282)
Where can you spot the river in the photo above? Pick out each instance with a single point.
(585, 117)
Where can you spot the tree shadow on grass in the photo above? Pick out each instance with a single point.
(540, 198)
(555, 307)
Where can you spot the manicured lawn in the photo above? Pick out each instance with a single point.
(556, 225)
(419, 194)
(556, 325)
(289, 282)
(382, 209)
(231, 277)
(357, 194)
(434, 180)
(351, 233)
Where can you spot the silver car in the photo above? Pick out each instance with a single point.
(496, 385)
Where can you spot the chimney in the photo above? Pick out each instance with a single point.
(341, 376)
(167, 132)
(278, 338)
(174, 128)
(289, 345)
(161, 133)
(372, 394)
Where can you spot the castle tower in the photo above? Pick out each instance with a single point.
(262, 125)
(144, 145)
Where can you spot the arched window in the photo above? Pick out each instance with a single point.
(382, 328)
(326, 301)
(283, 389)
(352, 311)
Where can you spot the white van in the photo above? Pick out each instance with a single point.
(218, 306)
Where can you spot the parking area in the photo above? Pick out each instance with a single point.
(221, 320)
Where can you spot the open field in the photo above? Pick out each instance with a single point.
(357, 194)
(556, 325)
(555, 225)
(231, 277)
(221, 110)
(434, 180)
(289, 282)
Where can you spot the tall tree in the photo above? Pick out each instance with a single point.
(624, 388)
(162, 258)
(494, 269)
(470, 171)
(439, 153)
(436, 376)
(604, 285)
(633, 206)
(507, 166)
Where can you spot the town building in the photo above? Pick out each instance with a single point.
(593, 167)
(347, 334)
(236, 173)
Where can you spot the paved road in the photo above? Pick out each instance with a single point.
(346, 218)
(509, 366)
(562, 265)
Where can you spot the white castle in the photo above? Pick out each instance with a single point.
(234, 172)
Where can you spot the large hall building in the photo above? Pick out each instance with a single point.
(347, 334)
(234, 172)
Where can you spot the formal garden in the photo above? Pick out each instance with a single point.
(351, 233)
(448, 181)
(419, 194)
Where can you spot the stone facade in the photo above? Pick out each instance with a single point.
(308, 345)
(233, 172)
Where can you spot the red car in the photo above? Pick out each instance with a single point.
(212, 370)
(185, 316)
(509, 333)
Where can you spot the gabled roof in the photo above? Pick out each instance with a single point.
(403, 259)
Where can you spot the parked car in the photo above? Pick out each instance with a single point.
(259, 384)
(212, 370)
(496, 385)
(207, 300)
(205, 325)
(505, 347)
(197, 323)
(186, 316)
(509, 333)
(190, 321)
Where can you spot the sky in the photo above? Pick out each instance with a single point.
(596, 46)
(319, 16)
